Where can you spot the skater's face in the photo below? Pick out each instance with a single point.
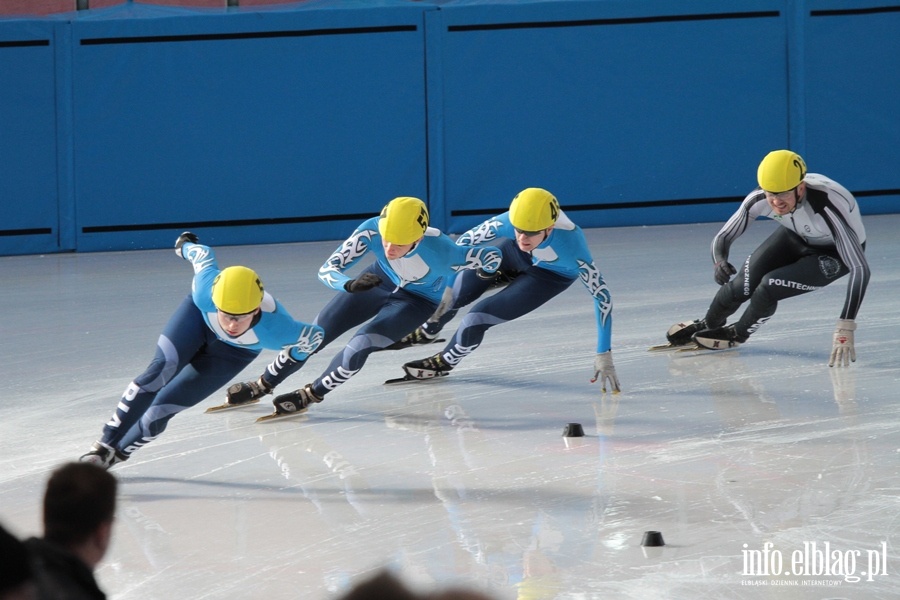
(785, 202)
(235, 325)
(395, 251)
(529, 240)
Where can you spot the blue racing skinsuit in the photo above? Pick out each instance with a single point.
(195, 357)
(410, 290)
(546, 272)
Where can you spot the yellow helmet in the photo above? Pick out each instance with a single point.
(403, 220)
(533, 209)
(780, 171)
(237, 290)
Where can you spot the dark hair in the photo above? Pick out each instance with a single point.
(78, 499)
(14, 566)
(381, 586)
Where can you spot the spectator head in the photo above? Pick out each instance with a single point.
(79, 505)
(15, 569)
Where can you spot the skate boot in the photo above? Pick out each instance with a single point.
(296, 401)
(103, 456)
(720, 338)
(427, 368)
(419, 337)
(242, 394)
(681, 334)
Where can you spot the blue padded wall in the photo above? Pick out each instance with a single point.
(29, 215)
(121, 127)
(262, 127)
(630, 112)
(851, 75)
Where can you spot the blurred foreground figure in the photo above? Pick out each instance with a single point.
(79, 509)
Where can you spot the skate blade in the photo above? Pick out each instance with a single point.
(700, 348)
(402, 346)
(277, 416)
(678, 348)
(690, 348)
(227, 406)
(411, 379)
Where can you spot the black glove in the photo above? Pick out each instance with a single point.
(723, 272)
(497, 278)
(184, 238)
(363, 283)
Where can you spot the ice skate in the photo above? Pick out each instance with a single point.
(680, 336)
(103, 456)
(242, 394)
(427, 368)
(230, 405)
(720, 338)
(292, 404)
(419, 337)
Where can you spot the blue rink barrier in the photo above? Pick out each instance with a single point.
(121, 127)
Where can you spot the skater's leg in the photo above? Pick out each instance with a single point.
(469, 287)
(209, 371)
(181, 339)
(813, 271)
(781, 248)
(345, 311)
(402, 312)
(528, 291)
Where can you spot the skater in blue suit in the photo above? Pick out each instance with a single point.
(543, 254)
(217, 330)
(413, 264)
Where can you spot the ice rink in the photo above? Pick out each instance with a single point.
(768, 474)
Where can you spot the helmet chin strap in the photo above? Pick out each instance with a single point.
(797, 197)
(546, 234)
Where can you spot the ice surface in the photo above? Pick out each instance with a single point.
(468, 480)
